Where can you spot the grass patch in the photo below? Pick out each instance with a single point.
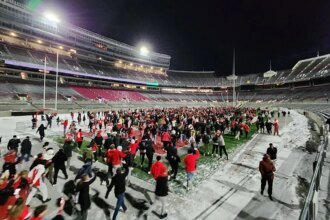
(207, 165)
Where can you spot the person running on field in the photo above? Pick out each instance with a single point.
(118, 181)
(161, 193)
(190, 165)
(41, 131)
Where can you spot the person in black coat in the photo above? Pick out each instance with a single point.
(26, 149)
(174, 163)
(149, 152)
(84, 198)
(108, 142)
(99, 141)
(118, 181)
(272, 152)
(117, 140)
(41, 131)
(161, 192)
(269, 127)
(142, 149)
(13, 143)
(124, 143)
(59, 164)
(67, 147)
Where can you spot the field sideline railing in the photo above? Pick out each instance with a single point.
(310, 209)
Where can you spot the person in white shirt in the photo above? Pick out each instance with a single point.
(36, 175)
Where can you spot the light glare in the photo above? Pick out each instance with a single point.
(144, 51)
(52, 17)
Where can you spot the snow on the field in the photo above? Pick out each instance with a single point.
(232, 192)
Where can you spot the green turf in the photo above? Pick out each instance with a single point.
(231, 145)
(207, 165)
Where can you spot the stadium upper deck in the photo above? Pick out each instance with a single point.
(32, 26)
(28, 37)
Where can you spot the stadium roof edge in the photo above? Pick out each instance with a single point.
(21, 7)
(184, 71)
(310, 59)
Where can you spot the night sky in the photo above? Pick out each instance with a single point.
(200, 35)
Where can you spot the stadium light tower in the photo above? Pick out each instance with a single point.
(45, 69)
(51, 17)
(56, 81)
(144, 51)
(234, 70)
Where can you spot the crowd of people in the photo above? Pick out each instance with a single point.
(127, 133)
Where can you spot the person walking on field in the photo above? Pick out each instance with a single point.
(246, 129)
(68, 152)
(166, 138)
(276, 127)
(79, 138)
(37, 183)
(13, 143)
(267, 169)
(26, 149)
(150, 153)
(161, 192)
(190, 164)
(206, 141)
(222, 146)
(84, 199)
(272, 152)
(118, 181)
(59, 164)
(65, 125)
(41, 131)
(157, 168)
(215, 141)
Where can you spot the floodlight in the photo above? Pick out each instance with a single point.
(60, 47)
(120, 61)
(131, 64)
(52, 17)
(13, 34)
(39, 41)
(144, 51)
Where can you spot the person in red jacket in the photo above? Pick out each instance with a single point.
(116, 157)
(166, 139)
(190, 164)
(108, 159)
(276, 126)
(267, 169)
(132, 149)
(158, 168)
(65, 125)
(79, 138)
(19, 211)
(246, 129)
(94, 148)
